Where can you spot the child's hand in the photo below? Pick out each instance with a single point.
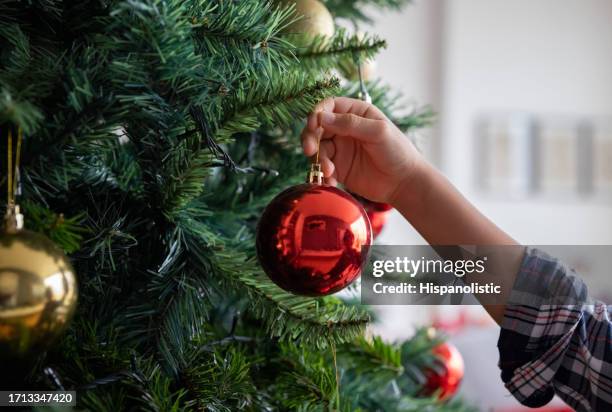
(360, 148)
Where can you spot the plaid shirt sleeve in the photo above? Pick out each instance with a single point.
(554, 340)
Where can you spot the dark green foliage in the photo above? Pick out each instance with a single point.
(339, 51)
(67, 233)
(156, 133)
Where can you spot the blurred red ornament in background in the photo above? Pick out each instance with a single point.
(445, 377)
(313, 239)
(378, 214)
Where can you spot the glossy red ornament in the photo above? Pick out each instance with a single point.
(313, 239)
(446, 376)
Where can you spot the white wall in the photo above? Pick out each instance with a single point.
(411, 62)
(542, 57)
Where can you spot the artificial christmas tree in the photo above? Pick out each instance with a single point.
(157, 131)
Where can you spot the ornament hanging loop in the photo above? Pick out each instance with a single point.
(363, 91)
(13, 219)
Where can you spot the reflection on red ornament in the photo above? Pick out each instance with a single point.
(312, 239)
(445, 377)
(378, 213)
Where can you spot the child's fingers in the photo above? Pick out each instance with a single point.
(327, 165)
(309, 143)
(332, 180)
(342, 105)
(341, 116)
(312, 121)
(352, 125)
(309, 140)
(345, 105)
(328, 148)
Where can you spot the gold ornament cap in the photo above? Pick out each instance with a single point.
(13, 220)
(315, 175)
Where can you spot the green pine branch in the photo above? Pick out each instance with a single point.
(307, 378)
(221, 381)
(247, 109)
(374, 357)
(341, 50)
(290, 96)
(185, 174)
(317, 322)
(66, 232)
(251, 28)
(291, 317)
(26, 77)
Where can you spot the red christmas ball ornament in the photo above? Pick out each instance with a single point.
(313, 239)
(445, 377)
(378, 217)
(378, 213)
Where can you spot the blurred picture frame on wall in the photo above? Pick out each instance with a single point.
(602, 158)
(559, 155)
(551, 157)
(504, 145)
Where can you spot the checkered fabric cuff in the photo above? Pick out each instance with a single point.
(543, 312)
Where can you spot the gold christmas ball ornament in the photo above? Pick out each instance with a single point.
(314, 19)
(38, 290)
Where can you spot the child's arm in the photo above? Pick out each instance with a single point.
(363, 150)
